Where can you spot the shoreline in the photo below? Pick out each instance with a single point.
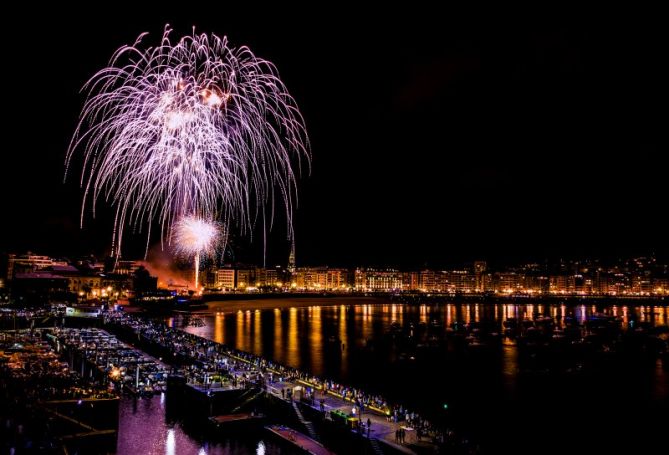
(234, 306)
(265, 303)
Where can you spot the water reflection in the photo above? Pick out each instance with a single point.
(170, 444)
(343, 337)
(241, 334)
(277, 335)
(257, 332)
(219, 324)
(293, 348)
(144, 428)
(355, 343)
(319, 338)
(316, 340)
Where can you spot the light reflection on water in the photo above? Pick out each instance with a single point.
(303, 337)
(144, 429)
(346, 342)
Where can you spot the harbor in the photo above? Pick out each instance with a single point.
(214, 392)
(210, 370)
(45, 404)
(213, 379)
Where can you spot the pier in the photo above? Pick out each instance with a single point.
(208, 369)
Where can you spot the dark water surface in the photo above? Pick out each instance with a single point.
(508, 404)
(147, 428)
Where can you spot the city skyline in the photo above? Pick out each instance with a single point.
(452, 142)
(631, 277)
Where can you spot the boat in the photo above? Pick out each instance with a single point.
(237, 421)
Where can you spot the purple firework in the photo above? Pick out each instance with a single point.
(191, 128)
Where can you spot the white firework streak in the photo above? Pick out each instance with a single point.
(199, 238)
(195, 128)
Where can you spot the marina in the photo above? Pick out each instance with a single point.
(233, 391)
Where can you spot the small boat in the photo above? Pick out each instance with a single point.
(236, 421)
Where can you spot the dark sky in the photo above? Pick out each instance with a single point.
(436, 138)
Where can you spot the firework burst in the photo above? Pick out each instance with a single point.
(189, 127)
(198, 238)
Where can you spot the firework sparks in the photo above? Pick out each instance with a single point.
(194, 235)
(198, 238)
(195, 126)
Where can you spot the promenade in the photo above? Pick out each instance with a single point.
(214, 366)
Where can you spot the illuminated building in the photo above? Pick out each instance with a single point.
(562, 284)
(428, 280)
(411, 281)
(619, 284)
(272, 277)
(480, 276)
(642, 284)
(305, 278)
(661, 286)
(320, 278)
(225, 278)
(460, 281)
(376, 280)
(509, 282)
(127, 267)
(600, 283)
(533, 284)
(26, 263)
(245, 277)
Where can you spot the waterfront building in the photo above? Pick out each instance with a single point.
(508, 282)
(642, 283)
(460, 281)
(29, 262)
(428, 280)
(480, 276)
(411, 281)
(272, 277)
(225, 278)
(39, 287)
(320, 278)
(661, 286)
(125, 267)
(377, 280)
(245, 277)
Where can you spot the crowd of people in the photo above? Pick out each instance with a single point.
(209, 359)
(205, 362)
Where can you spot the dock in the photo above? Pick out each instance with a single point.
(215, 370)
(299, 440)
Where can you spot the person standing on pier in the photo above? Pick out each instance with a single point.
(369, 426)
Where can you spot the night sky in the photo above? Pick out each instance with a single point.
(436, 138)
